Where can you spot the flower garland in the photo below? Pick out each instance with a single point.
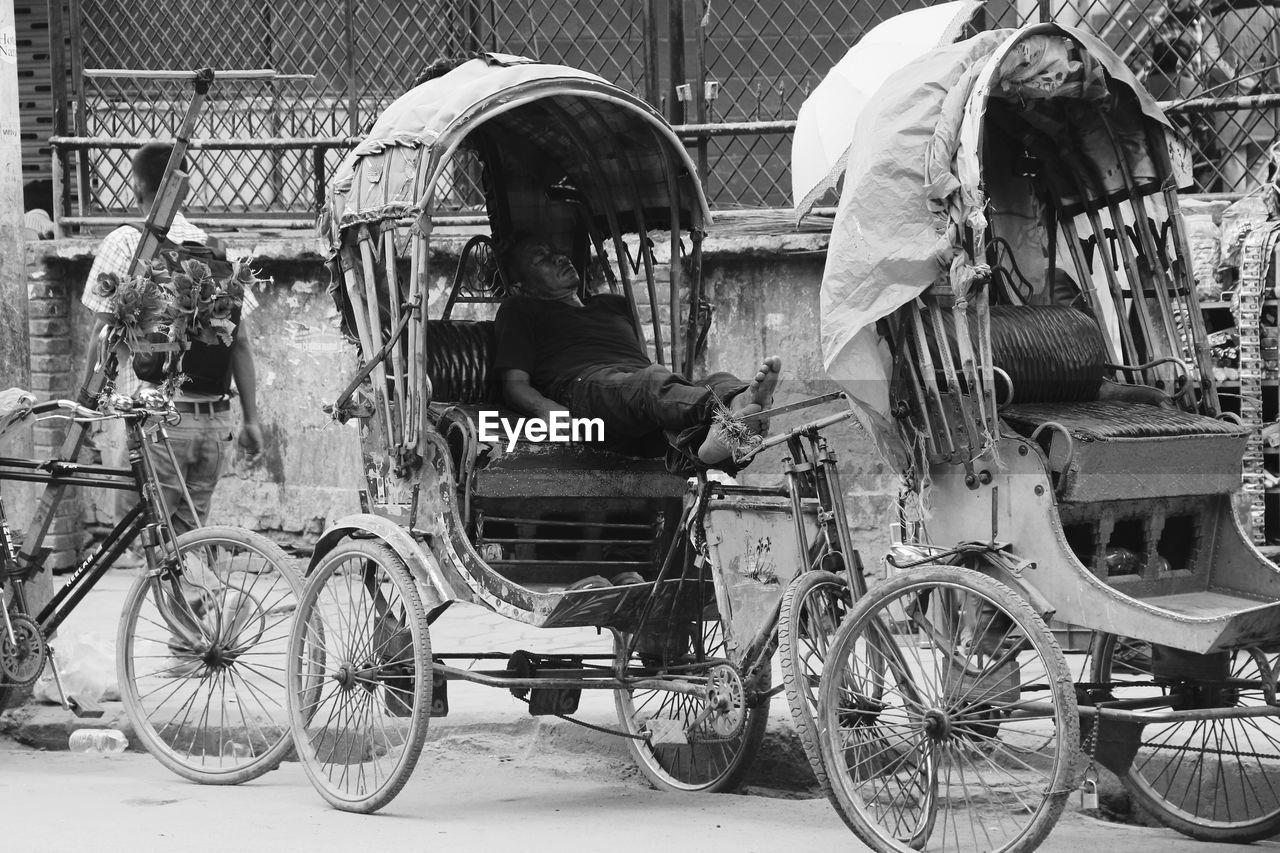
(169, 304)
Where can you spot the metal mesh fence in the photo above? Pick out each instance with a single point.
(340, 62)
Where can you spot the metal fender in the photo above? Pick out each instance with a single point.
(1017, 581)
(433, 585)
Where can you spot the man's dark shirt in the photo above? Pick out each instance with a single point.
(555, 343)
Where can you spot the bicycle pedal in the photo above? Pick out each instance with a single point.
(85, 708)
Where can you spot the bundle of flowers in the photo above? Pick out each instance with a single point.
(171, 303)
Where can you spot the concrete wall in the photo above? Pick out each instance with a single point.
(765, 291)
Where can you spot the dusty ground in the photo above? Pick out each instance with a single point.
(473, 791)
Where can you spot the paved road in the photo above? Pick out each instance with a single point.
(466, 796)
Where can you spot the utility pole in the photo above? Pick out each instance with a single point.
(15, 364)
(14, 360)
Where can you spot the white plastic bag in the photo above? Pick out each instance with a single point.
(87, 665)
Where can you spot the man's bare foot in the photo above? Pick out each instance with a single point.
(756, 397)
(760, 392)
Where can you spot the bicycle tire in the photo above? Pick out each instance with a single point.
(799, 649)
(250, 614)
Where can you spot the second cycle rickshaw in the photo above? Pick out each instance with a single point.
(1020, 282)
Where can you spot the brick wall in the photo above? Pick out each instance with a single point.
(49, 292)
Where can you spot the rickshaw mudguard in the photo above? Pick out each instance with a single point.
(437, 582)
(752, 541)
(1231, 599)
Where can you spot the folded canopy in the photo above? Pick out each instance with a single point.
(531, 125)
(915, 174)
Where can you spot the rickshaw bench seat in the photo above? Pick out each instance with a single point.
(1122, 450)
(1109, 420)
(557, 469)
(459, 353)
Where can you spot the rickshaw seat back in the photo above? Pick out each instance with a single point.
(1056, 361)
(1052, 353)
(459, 353)
(1049, 353)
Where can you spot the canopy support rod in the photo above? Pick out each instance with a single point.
(394, 299)
(646, 255)
(589, 156)
(417, 332)
(619, 245)
(1182, 251)
(676, 271)
(1166, 276)
(375, 335)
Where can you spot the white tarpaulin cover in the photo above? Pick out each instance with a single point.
(827, 117)
(893, 232)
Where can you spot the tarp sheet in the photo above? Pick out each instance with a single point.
(893, 235)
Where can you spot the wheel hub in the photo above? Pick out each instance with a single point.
(345, 675)
(726, 699)
(937, 724)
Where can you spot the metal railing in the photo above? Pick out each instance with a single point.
(730, 75)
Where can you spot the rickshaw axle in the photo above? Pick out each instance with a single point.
(1120, 715)
(582, 682)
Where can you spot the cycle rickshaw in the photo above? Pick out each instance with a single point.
(1020, 283)
(707, 578)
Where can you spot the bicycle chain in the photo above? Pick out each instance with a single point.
(1255, 254)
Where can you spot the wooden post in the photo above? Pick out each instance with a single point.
(15, 360)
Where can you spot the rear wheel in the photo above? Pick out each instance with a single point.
(947, 716)
(201, 657)
(359, 676)
(718, 747)
(812, 609)
(1214, 780)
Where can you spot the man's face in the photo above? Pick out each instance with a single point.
(544, 273)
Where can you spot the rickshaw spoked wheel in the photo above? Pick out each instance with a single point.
(1174, 760)
(720, 743)
(902, 716)
(813, 607)
(359, 676)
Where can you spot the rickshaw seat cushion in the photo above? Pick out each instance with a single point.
(459, 353)
(1111, 420)
(1052, 353)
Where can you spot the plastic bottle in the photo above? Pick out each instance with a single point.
(98, 741)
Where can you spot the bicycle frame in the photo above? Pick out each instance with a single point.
(148, 520)
(811, 475)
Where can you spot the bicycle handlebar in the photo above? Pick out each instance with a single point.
(819, 424)
(119, 406)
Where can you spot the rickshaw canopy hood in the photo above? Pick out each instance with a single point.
(915, 176)
(610, 146)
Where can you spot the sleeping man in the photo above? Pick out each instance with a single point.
(557, 353)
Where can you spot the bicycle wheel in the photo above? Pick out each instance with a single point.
(947, 716)
(813, 607)
(712, 759)
(1214, 780)
(201, 659)
(359, 676)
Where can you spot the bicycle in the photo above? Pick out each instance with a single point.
(201, 624)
